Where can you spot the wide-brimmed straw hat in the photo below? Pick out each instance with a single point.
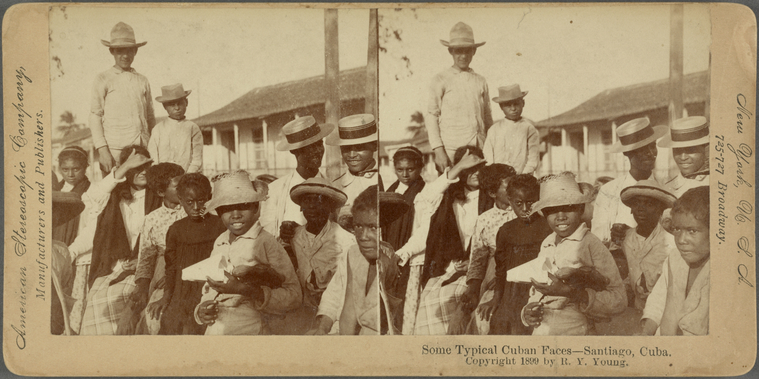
(301, 132)
(354, 130)
(635, 134)
(508, 93)
(687, 132)
(172, 92)
(392, 206)
(122, 35)
(318, 186)
(462, 35)
(66, 206)
(233, 188)
(560, 189)
(647, 188)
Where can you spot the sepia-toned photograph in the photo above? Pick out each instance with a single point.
(464, 189)
(546, 167)
(212, 179)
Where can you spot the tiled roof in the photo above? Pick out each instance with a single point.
(617, 102)
(283, 97)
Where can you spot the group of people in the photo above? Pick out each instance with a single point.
(294, 255)
(487, 248)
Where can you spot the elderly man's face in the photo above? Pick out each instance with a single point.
(462, 56)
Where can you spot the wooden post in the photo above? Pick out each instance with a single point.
(371, 103)
(238, 154)
(331, 77)
(676, 62)
(584, 165)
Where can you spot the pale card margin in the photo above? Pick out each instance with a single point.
(729, 350)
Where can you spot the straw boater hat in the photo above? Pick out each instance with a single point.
(233, 188)
(687, 132)
(172, 92)
(122, 35)
(66, 206)
(392, 206)
(301, 132)
(508, 93)
(319, 186)
(558, 190)
(461, 36)
(647, 188)
(635, 134)
(354, 130)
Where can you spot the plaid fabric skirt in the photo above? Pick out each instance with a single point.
(438, 303)
(105, 304)
(79, 293)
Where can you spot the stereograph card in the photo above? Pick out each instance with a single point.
(590, 79)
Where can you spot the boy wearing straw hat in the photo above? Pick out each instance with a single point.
(689, 139)
(578, 276)
(357, 138)
(513, 141)
(176, 139)
(458, 107)
(302, 137)
(646, 245)
(235, 307)
(121, 107)
(611, 217)
(318, 246)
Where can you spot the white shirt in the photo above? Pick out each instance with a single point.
(514, 143)
(279, 206)
(466, 216)
(609, 209)
(401, 189)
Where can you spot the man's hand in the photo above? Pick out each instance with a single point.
(135, 160)
(467, 161)
(441, 159)
(487, 309)
(155, 309)
(208, 311)
(556, 288)
(106, 159)
(138, 299)
(648, 327)
(533, 314)
(471, 296)
(287, 230)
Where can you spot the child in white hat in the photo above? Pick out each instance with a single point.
(235, 307)
(177, 139)
(579, 276)
(513, 141)
(121, 107)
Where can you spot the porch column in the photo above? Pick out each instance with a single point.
(584, 166)
(216, 148)
(265, 132)
(564, 149)
(238, 153)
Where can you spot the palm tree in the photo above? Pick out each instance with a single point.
(416, 125)
(68, 123)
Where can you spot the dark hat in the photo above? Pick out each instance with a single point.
(392, 206)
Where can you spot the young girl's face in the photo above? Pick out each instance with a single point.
(357, 157)
(407, 171)
(171, 191)
(564, 219)
(521, 202)
(691, 237)
(73, 171)
(366, 228)
(473, 180)
(194, 202)
(239, 218)
(140, 180)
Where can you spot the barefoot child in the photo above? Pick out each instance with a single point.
(235, 307)
(555, 307)
(188, 241)
(176, 139)
(679, 302)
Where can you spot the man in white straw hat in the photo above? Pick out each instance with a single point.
(689, 139)
(177, 139)
(458, 107)
(637, 141)
(513, 140)
(647, 245)
(121, 107)
(302, 137)
(357, 137)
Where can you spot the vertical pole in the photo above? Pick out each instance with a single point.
(371, 104)
(216, 148)
(564, 150)
(238, 153)
(675, 78)
(331, 77)
(265, 132)
(584, 165)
